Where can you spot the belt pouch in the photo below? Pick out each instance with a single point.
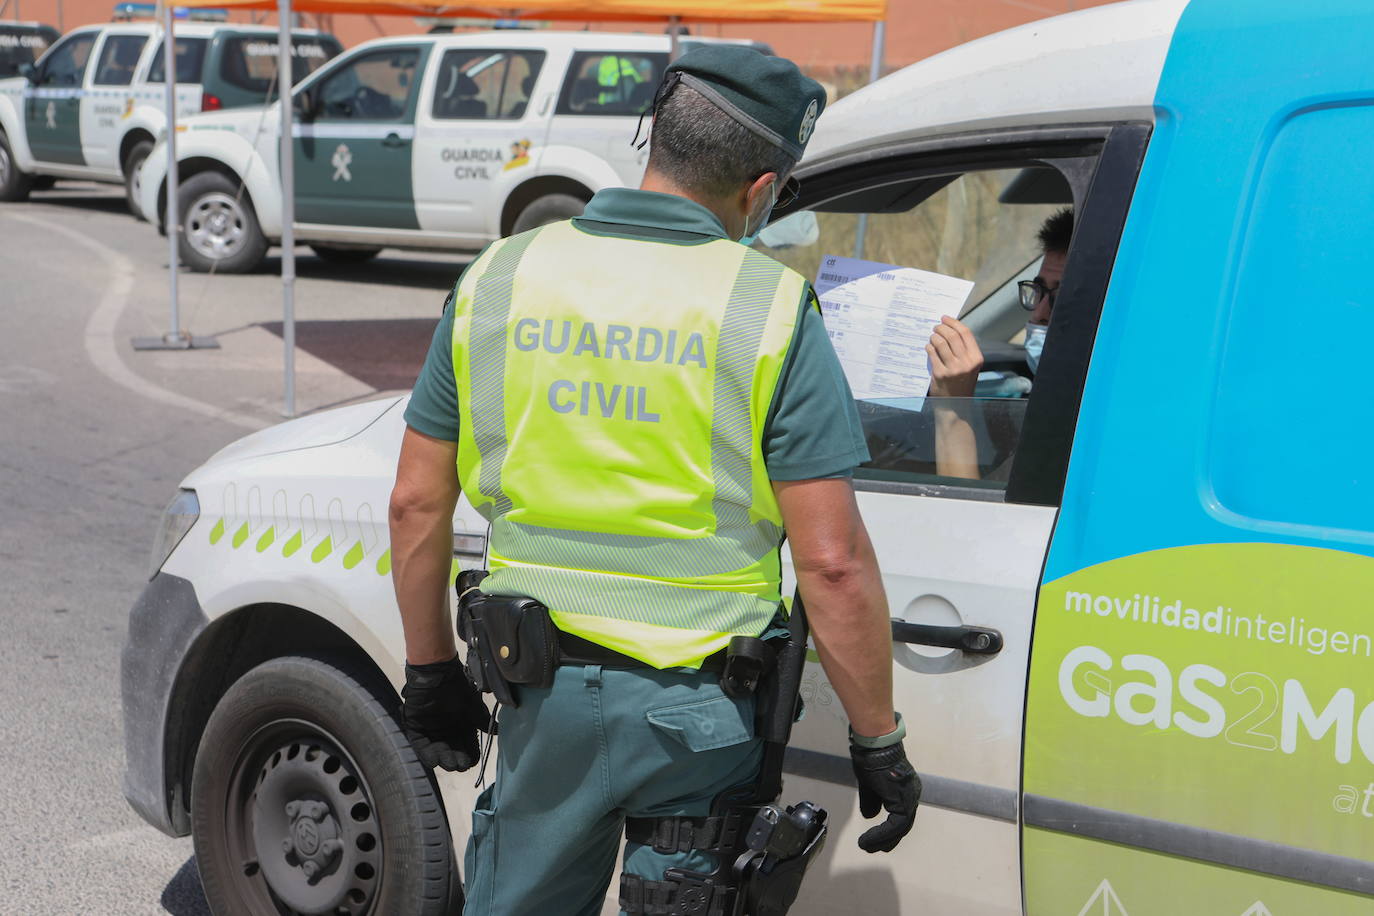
(521, 639)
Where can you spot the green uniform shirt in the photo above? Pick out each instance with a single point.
(813, 427)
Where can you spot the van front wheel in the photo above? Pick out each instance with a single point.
(219, 229)
(306, 798)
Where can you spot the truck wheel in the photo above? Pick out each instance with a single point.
(550, 208)
(341, 255)
(219, 229)
(14, 184)
(133, 163)
(307, 798)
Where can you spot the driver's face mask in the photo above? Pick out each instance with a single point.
(1035, 345)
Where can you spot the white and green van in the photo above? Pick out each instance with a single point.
(439, 141)
(94, 104)
(1133, 651)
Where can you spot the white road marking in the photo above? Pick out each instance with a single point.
(99, 335)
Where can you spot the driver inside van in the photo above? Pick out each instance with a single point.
(956, 360)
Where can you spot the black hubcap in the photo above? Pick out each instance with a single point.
(308, 828)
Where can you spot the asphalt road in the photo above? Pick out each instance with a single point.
(95, 439)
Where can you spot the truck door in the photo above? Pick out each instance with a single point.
(1200, 721)
(954, 501)
(353, 158)
(52, 106)
(479, 126)
(109, 99)
(599, 105)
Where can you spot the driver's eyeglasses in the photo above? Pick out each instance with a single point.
(788, 193)
(1031, 291)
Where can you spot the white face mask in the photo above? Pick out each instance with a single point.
(1035, 345)
(748, 237)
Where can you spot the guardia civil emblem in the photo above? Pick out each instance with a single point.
(51, 113)
(341, 160)
(808, 123)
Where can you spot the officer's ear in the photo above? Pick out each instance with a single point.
(760, 190)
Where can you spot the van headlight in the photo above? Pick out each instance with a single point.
(180, 515)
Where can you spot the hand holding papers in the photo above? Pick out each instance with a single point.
(879, 318)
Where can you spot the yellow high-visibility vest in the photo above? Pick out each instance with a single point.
(613, 394)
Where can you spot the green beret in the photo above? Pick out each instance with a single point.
(768, 95)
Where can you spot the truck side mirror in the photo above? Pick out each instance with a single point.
(304, 103)
(29, 72)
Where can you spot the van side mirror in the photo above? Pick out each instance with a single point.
(29, 72)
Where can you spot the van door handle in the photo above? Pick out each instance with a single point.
(394, 141)
(973, 640)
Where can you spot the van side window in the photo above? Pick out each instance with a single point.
(65, 65)
(485, 84)
(978, 226)
(190, 61)
(610, 82)
(118, 60)
(371, 87)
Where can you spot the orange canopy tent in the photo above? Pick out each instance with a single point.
(686, 11)
(674, 11)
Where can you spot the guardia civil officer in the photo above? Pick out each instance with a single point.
(641, 405)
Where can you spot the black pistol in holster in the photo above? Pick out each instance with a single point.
(763, 848)
(511, 639)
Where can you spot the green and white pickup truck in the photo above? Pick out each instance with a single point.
(94, 104)
(426, 141)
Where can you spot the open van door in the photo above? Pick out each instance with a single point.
(961, 549)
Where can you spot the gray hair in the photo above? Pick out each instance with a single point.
(704, 150)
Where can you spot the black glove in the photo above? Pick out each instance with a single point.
(441, 714)
(886, 780)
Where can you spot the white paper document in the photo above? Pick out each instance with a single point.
(880, 317)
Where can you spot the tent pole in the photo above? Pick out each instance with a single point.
(875, 71)
(288, 205)
(169, 84)
(175, 338)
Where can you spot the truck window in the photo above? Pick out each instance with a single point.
(190, 60)
(65, 64)
(485, 84)
(21, 45)
(974, 227)
(372, 87)
(610, 82)
(250, 61)
(119, 59)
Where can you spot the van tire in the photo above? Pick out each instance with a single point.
(218, 228)
(340, 255)
(132, 163)
(14, 184)
(300, 739)
(550, 208)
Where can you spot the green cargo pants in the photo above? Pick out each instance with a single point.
(579, 757)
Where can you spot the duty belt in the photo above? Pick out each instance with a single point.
(574, 650)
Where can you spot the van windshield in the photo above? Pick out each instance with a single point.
(190, 61)
(20, 46)
(249, 62)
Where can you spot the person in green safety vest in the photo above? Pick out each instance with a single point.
(617, 76)
(641, 406)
